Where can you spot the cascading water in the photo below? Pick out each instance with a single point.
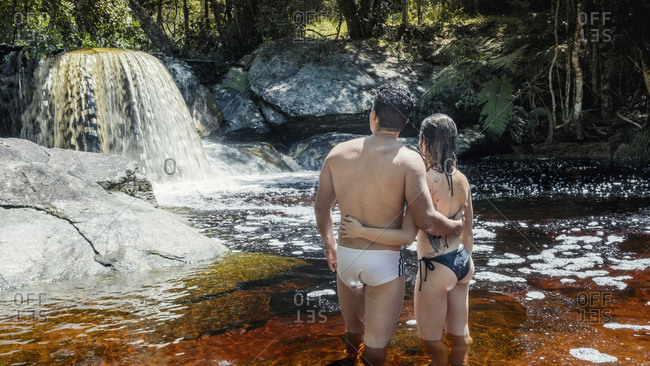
(115, 102)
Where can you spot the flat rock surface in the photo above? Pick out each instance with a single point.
(67, 214)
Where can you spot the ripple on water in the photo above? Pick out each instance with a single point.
(592, 355)
(634, 327)
(496, 277)
(535, 295)
(612, 281)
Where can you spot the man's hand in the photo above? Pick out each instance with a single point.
(330, 254)
(325, 199)
(459, 220)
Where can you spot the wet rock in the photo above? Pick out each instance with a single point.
(327, 87)
(16, 84)
(311, 152)
(58, 222)
(241, 113)
(205, 112)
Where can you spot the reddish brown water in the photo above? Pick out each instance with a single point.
(558, 269)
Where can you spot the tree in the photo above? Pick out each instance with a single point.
(364, 17)
(576, 117)
(153, 31)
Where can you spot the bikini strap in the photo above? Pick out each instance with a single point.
(450, 182)
(428, 266)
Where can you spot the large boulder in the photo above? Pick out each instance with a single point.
(206, 114)
(59, 221)
(241, 115)
(326, 87)
(311, 152)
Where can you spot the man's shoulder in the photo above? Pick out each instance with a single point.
(346, 147)
(410, 158)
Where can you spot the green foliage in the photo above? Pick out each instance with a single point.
(509, 61)
(641, 142)
(239, 81)
(45, 27)
(497, 99)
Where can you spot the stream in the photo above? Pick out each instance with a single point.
(561, 277)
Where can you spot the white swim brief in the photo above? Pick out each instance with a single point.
(358, 267)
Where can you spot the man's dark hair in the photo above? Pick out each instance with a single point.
(393, 104)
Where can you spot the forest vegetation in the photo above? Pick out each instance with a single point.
(523, 71)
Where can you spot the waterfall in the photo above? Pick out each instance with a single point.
(115, 102)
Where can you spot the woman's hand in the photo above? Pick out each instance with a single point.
(350, 227)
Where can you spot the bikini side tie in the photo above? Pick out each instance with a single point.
(428, 263)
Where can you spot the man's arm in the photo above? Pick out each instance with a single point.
(325, 199)
(419, 201)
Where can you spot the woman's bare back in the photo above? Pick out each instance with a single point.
(447, 204)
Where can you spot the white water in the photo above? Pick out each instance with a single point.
(116, 102)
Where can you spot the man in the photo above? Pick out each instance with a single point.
(372, 178)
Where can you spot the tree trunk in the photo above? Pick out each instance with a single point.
(217, 10)
(566, 115)
(206, 15)
(606, 105)
(645, 68)
(420, 11)
(405, 13)
(153, 31)
(186, 17)
(551, 118)
(361, 17)
(228, 11)
(350, 12)
(159, 17)
(576, 118)
(595, 71)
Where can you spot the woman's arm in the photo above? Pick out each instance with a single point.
(467, 235)
(352, 228)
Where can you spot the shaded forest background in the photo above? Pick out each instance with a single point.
(522, 71)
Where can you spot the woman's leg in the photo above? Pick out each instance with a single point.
(456, 322)
(430, 311)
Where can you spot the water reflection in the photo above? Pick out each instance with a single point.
(561, 278)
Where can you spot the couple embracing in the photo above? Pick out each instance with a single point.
(388, 195)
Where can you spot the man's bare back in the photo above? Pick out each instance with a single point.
(369, 177)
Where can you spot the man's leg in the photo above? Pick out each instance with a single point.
(383, 307)
(351, 301)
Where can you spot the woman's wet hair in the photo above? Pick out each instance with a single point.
(440, 139)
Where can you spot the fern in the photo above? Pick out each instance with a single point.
(509, 61)
(496, 95)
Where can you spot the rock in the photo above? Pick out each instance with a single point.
(326, 87)
(57, 222)
(36, 245)
(245, 61)
(272, 116)
(311, 152)
(625, 152)
(205, 112)
(241, 114)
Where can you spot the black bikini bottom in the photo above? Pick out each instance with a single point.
(458, 261)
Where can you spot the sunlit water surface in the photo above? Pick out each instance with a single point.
(560, 251)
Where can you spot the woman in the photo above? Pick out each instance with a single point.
(445, 263)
